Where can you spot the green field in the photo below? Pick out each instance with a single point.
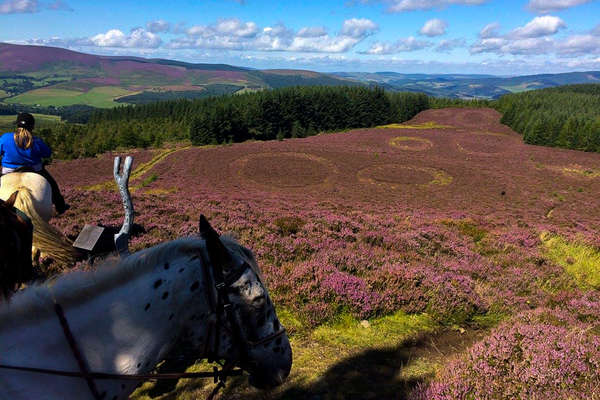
(97, 97)
(7, 122)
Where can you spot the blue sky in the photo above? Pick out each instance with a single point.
(506, 37)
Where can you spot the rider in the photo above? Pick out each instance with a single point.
(23, 152)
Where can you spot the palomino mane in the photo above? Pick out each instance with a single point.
(78, 287)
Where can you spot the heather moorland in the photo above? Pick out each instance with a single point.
(441, 258)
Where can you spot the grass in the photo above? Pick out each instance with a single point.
(102, 97)
(348, 332)
(579, 260)
(425, 125)
(138, 172)
(468, 228)
(384, 356)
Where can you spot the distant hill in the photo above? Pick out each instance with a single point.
(49, 76)
(469, 86)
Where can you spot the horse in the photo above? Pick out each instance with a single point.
(35, 200)
(127, 315)
(15, 248)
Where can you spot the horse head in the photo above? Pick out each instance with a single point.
(252, 335)
(15, 247)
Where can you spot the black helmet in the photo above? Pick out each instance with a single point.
(25, 120)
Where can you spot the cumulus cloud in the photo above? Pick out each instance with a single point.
(532, 38)
(233, 34)
(546, 6)
(158, 26)
(312, 32)
(434, 27)
(490, 31)
(137, 38)
(358, 28)
(446, 46)
(539, 26)
(413, 5)
(19, 6)
(579, 45)
(403, 45)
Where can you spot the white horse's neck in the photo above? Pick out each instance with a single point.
(121, 327)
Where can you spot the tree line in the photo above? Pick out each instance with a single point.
(565, 116)
(265, 115)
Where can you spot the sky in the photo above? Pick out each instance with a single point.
(501, 37)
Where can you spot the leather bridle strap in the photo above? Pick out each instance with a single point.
(81, 362)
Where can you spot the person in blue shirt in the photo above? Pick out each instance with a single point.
(23, 152)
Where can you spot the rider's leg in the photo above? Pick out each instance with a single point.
(57, 198)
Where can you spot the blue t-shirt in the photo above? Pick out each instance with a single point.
(14, 157)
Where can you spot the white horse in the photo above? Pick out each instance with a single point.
(35, 200)
(126, 318)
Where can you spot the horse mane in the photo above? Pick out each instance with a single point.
(46, 238)
(77, 287)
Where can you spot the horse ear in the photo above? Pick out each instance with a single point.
(215, 248)
(11, 200)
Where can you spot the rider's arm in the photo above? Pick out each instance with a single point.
(42, 148)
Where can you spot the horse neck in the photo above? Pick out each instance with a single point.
(127, 329)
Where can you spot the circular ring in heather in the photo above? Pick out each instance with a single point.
(393, 176)
(485, 145)
(411, 143)
(284, 170)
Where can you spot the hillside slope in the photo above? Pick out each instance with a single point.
(51, 76)
(428, 231)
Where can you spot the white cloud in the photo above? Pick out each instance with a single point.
(434, 27)
(312, 32)
(545, 6)
(237, 35)
(596, 30)
(158, 26)
(538, 27)
(413, 5)
(403, 45)
(446, 46)
(490, 31)
(580, 45)
(137, 38)
(19, 6)
(235, 27)
(358, 28)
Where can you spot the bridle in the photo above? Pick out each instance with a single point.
(218, 299)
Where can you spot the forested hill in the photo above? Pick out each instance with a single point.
(565, 116)
(273, 114)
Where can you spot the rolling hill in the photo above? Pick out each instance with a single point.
(469, 86)
(48, 76)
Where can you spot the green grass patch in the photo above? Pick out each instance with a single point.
(579, 260)
(468, 228)
(386, 331)
(102, 97)
(7, 122)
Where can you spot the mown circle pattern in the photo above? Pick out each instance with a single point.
(393, 176)
(286, 170)
(409, 143)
